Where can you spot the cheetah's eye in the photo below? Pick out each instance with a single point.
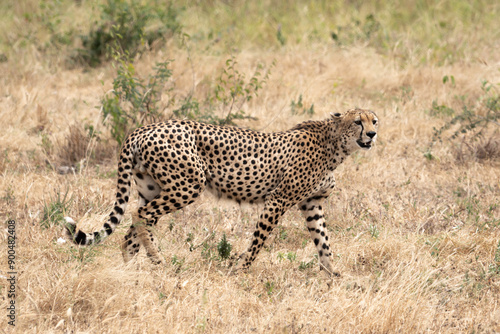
(358, 122)
(374, 122)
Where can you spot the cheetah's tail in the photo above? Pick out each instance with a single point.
(122, 196)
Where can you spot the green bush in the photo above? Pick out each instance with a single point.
(473, 119)
(231, 92)
(134, 101)
(224, 248)
(471, 127)
(127, 25)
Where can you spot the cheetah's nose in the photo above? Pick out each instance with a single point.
(371, 134)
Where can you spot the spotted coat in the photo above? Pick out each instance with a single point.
(173, 162)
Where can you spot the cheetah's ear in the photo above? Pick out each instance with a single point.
(336, 115)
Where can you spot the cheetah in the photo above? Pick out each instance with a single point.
(173, 162)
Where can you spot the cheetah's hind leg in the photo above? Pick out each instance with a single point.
(139, 233)
(164, 201)
(131, 244)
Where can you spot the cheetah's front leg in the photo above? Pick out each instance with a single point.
(313, 213)
(273, 211)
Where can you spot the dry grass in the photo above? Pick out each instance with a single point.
(416, 240)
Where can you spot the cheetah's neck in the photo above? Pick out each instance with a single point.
(336, 148)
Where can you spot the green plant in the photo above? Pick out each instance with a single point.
(190, 109)
(449, 78)
(307, 265)
(374, 231)
(177, 262)
(298, 108)
(291, 256)
(128, 25)
(494, 268)
(162, 297)
(50, 18)
(441, 109)
(190, 239)
(91, 131)
(231, 92)
(473, 124)
(279, 35)
(55, 209)
(83, 254)
(428, 155)
(474, 119)
(207, 251)
(208, 247)
(269, 286)
(133, 101)
(46, 144)
(224, 248)
(282, 233)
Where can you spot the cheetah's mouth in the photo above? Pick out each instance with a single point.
(366, 146)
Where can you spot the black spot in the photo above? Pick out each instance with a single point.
(113, 219)
(108, 228)
(151, 187)
(80, 238)
(316, 241)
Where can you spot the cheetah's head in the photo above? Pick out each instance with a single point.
(359, 127)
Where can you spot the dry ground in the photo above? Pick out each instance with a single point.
(415, 239)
